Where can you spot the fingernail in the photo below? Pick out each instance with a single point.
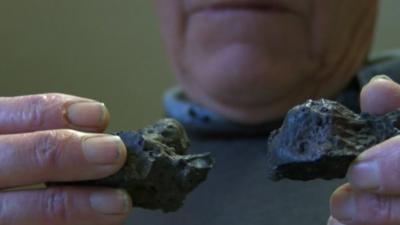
(382, 77)
(364, 175)
(104, 149)
(344, 206)
(87, 114)
(110, 202)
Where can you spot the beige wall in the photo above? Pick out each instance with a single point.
(107, 50)
(388, 26)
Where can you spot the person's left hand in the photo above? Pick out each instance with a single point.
(372, 195)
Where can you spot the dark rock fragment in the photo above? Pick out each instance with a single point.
(319, 139)
(156, 174)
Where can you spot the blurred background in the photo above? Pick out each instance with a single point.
(107, 50)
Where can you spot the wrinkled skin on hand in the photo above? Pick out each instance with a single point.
(45, 138)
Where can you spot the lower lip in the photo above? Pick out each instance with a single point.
(219, 27)
(245, 17)
(242, 10)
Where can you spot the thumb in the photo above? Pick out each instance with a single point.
(381, 95)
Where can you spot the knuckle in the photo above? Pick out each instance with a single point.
(2, 212)
(382, 209)
(48, 147)
(5, 218)
(38, 106)
(388, 160)
(55, 205)
(391, 164)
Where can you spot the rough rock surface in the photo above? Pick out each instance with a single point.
(319, 139)
(156, 174)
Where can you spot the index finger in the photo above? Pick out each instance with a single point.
(51, 111)
(378, 169)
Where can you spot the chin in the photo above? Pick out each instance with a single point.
(247, 75)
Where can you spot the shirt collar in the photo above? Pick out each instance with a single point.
(200, 120)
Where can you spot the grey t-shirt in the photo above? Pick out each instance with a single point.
(238, 191)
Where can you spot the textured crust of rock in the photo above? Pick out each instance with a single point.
(319, 139)
(157, 174)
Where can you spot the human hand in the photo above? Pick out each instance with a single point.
(372, 194)
(42, 139)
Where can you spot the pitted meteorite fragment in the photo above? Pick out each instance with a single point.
(319, 139)
(156, 174)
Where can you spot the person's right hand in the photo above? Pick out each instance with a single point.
(42, 139)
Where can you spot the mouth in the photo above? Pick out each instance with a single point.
(242, 6)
